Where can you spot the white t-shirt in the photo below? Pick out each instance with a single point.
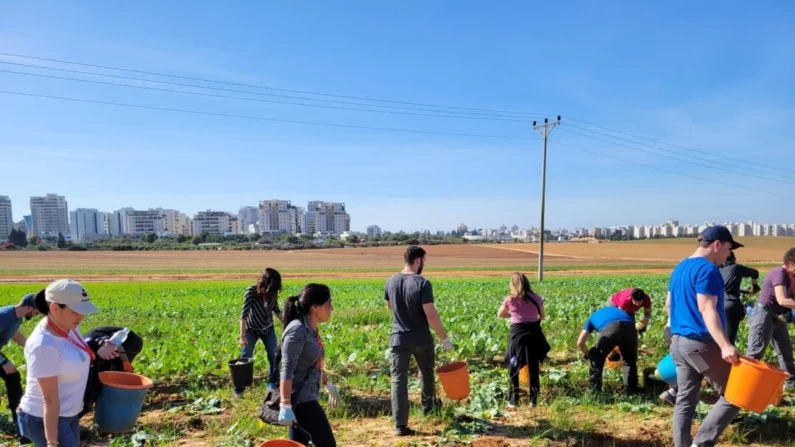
(48, 355)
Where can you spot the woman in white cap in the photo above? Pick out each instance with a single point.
(58, 361)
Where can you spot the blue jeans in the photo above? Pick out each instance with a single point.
(32, 427)
(268, 338)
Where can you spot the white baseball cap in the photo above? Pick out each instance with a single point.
(71, 294)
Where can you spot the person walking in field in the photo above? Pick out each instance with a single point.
(527, 344)
(410, 298)
(616, 329)
(10, 320)
(700, 345)
(768, 321)
(301, 374)
(733, 275)
(260, 303)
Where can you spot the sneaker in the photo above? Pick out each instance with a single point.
(668, 397)
(404, 431)
(510, 406)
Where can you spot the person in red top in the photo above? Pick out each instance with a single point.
(630, 301)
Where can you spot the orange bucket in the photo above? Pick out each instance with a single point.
(125, 381)
(281, 443)
(524, 376)
(778, 397)
(455, 380)
(618, 363)
(753, 384)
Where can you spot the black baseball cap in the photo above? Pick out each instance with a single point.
(719, 233)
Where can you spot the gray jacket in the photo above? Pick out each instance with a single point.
(301, 352)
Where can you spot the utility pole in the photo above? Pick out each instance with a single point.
(544, 129)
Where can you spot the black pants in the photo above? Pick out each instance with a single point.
(312, 420)
(534, 368)
(624, 335)
(14, 390)
(735, 314)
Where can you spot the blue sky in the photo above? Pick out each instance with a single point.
(713, 77)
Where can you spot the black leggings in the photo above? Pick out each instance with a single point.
(534, 368)
(312, 419)
(14, 389)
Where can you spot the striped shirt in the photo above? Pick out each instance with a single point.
(258, 313)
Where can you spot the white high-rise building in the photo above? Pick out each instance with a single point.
(106, 220)
(212, 222)
(374, 231)
(234, 225)
(247, 215)
(50, 215)
(119, 223)
(145, 222)
(639, 232)
(175, 223)
(744, 230)
(329, 217)
(300, 219)
(6, 218)
(85, 224)
(277, 216)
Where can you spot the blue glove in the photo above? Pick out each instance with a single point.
(286, 415)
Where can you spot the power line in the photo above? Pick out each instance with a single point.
(113, 84)
(677, 159)
(518, 118)
(675, 152)
(360, 98)
(259, 118)
(681, 147)
(672, 172)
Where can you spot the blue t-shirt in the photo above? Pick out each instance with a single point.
(691, 277)
(9, 324)
(602, 317)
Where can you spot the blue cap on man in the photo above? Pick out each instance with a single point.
(719, 233)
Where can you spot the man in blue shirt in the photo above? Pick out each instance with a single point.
(10, 319)
(699, 345)
(616, 328)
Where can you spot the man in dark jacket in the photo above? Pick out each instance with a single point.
(96, 338)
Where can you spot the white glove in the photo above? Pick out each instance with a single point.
(286, 415)
(333, 394)
(447, 344)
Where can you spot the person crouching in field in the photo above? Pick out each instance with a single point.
(256, 320)
(616, 328)
(630, 301)
(527, 344)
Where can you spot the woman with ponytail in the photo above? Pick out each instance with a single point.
(302, 367)
(256, 320)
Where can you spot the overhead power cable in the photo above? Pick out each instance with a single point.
(259, 118)
(360, 98)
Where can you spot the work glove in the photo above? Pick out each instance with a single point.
(640, 327)
(286, 415)
(447, 344)
(333, 394)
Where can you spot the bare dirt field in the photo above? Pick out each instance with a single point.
(655, 256)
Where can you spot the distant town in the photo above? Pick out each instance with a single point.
(317, 223)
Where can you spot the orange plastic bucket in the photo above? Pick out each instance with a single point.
(753, 384)
(614, 364)
(125, 381)
(524, 376)
(455, 380)
(281, 443)
(778, 397)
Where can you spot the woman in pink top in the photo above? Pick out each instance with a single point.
(527, 344)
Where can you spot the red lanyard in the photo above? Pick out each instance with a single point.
(320, 361)
(80, 343)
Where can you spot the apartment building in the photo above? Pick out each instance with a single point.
(50, 215)
(6, 218)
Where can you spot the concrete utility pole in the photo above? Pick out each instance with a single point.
(544, 129)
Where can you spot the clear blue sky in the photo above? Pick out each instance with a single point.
(715, 77)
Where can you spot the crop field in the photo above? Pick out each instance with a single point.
(190, 331)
